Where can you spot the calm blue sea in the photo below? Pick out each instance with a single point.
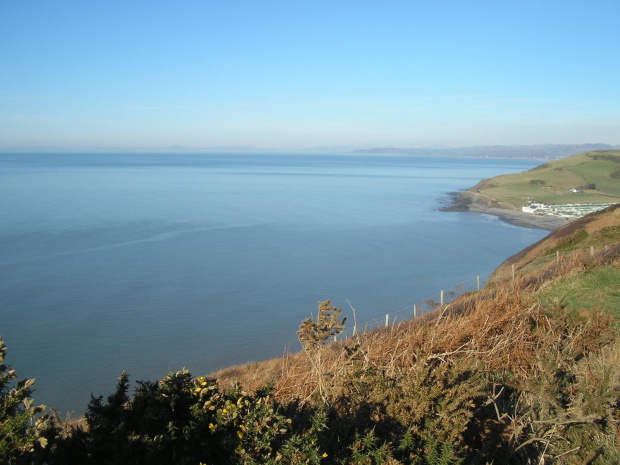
(153, 262)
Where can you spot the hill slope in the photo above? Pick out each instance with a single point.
(517, 353)
(598, 230)
(595, 174)
(542, 151)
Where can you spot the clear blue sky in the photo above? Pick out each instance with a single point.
(296, 74)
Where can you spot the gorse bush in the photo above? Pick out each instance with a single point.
(313, 337)
(25, 431)
(186, 420)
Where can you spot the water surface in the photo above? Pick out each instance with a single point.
(149, 263)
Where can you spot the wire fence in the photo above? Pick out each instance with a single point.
(558, 257)
(476, 284)
(443, 297)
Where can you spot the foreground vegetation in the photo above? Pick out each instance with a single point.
(523, 372)
(596, 174)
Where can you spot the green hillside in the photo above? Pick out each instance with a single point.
(595, 174)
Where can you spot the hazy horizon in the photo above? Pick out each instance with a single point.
(271, 150)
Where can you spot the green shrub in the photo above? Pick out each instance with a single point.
(25, 431)
(185, 420)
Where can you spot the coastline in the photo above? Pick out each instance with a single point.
(460, 203)
(518, 218)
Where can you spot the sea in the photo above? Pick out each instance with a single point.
(150, 263)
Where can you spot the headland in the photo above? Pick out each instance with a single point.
(567, 187)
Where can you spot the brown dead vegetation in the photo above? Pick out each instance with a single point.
(494, 374)
(497, 327)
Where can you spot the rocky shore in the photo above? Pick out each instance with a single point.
(469, 201)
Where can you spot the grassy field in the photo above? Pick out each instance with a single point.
(551, 182)
(597, 289)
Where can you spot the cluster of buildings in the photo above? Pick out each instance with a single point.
(568, 210)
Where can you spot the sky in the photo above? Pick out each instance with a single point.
(289, 75)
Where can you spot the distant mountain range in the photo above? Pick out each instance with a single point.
(543, 151)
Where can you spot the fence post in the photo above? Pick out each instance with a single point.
(557, 256)
(387, 319)
(591, 251)
(513, 272)
(441, 298)
(478, 281)
(354, 319)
